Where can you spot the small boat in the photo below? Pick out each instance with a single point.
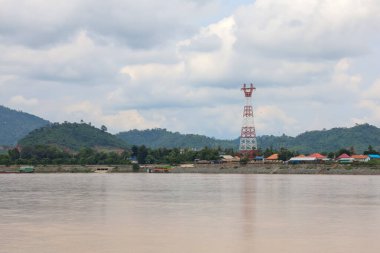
(102, 170)
(26, 169)
(159, 169)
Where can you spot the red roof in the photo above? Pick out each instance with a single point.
(273, 157)
(318, 156)
(344, 155)
(359, 156)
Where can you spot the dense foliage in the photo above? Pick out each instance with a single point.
(161, 138)
(72, 136)
(145, 155)
(44, 154)
(14, 125)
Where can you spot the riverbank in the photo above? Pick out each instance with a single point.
(331, 169)
(69, 168)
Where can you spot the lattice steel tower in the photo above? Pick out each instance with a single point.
(248, 143)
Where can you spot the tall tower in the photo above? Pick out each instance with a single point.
(248, 143)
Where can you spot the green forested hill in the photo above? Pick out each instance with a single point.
(73, 136)
(14, 125)
(359, 137)
(158, 138)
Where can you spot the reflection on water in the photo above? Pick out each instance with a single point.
(189, 213)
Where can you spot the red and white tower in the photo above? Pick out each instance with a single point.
(248, 143)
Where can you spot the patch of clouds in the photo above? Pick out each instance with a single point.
(137, 24)
(148, 64)
(119, 121)
(370, 105)
(309, 29)
(20, 101)
(269, 115)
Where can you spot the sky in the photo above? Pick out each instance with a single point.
(180, 64)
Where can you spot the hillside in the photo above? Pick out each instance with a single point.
(359, 137)
(157, 138)
(72, 136)
(14, 125)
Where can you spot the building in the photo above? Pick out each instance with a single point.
(272, 158)
(344, 158)
(374, 156)
(302, 159)
(229, 158)
(318, 156)
(360, 158)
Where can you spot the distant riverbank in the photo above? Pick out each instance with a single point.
(332, 169)
(69, 168)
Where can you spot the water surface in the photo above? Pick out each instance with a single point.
(161, 213)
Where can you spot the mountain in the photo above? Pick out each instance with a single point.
(359, 137)
(159, 138)
(73, 136)
(15, 124)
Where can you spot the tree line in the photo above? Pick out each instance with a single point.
(46, 155)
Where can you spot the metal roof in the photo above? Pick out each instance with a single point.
(306, 158)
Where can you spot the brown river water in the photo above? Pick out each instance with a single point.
(180, 213)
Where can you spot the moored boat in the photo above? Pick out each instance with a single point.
(102, 170)
(26, 169)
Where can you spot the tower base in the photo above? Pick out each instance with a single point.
(250, 154)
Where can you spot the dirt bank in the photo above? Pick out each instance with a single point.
(333, 169)
(69, 168)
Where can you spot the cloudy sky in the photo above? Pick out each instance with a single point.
(179, 64)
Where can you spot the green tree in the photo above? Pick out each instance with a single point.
(142, 154)
(370, 150)
(135, 150)
(103, 128)
(13, 154)
(343, 151)
(285, 154)
(4, 160)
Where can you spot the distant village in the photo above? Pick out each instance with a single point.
(302, 159)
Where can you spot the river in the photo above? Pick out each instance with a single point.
(183, 213)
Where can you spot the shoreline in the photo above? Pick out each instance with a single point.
(312, 169)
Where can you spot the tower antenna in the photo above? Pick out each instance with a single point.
(248, 142)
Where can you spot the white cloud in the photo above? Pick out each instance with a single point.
(126, 119)
(138, 24)
(22, 101)
(370, 105)
(310, 29)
